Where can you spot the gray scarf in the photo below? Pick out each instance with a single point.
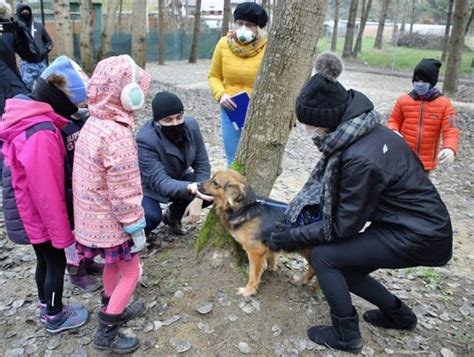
(323, 185)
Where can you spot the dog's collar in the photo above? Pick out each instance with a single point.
(243, 214)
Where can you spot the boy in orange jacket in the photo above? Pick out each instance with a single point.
(424, 114)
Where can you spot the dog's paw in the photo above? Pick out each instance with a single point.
(246, 292)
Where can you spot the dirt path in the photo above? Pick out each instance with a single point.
(177, 283)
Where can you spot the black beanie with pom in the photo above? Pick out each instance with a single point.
(323, 100)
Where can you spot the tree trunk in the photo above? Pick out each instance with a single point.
(360, 35)
(285, 67)
(404, 17)
(139, 21)
(227, 12)
(412, 18)
(456, 45)
(161, 32)
(63, 22)
(197, 30)
(86, 44)
(109, 27)
(395, 31)
(383, 15)
(447, 30)
(347, 51)
(335, 26)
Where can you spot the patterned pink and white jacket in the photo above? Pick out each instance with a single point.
(106, 178)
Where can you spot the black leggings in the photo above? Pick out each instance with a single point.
(345, 266)
(50, 268)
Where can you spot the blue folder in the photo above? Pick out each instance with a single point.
(237, 116)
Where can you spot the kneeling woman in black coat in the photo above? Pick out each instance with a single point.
(366, 174)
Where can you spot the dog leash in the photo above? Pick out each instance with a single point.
(272, 203)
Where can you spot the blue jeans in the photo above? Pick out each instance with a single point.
(230, 137)
(31, 71)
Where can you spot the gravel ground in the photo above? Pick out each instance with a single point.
(192, 306)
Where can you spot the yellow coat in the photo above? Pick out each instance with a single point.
(230, 73)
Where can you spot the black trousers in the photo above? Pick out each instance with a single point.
(345, 266)
(50, 268)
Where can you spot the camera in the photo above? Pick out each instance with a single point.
(8, 26)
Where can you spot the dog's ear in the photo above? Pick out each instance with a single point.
(235, 194)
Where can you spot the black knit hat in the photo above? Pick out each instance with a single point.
(427, 70)
(165, 104)
(323, 100)
(251, 12)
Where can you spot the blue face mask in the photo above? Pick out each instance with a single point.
(421, 88)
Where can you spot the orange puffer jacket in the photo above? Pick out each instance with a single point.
(421, 122)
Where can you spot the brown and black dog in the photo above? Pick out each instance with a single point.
(249, 221)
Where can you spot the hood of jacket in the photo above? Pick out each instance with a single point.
(21, 114)
(20, 8)
(105, 87)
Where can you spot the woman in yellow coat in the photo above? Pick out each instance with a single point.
(235, 64)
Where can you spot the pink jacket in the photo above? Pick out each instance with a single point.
(106, 179)
(33, 174)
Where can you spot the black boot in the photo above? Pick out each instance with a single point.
(175, 227)
(108, 337)
(344, 334)
(133, 310)
(400, 317)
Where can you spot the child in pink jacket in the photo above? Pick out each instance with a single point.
(33, 187)
(108, 215)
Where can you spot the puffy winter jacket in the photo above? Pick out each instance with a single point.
(421, 122)
(33, 174)
(230, 73)
(106, 179)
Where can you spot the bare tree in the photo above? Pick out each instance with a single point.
(120, 15)
(161, 32)
(447, 30)
(139, 20)
(336, 25)
(271, 115)
(412, 18)
(360, 35)
(395, 31)
(404, 16)
(469, 22)
(86, 44)
(109, 26)
(456, 46)
(383, 15)
(227, 11)
(349, 39)
(63, 22)
(196, 32)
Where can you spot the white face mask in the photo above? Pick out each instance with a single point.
(245, 35)
(314, 131)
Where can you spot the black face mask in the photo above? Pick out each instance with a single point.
(26, 17)
(175, 133)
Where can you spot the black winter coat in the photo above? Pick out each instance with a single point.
(383, 181)
(164, 166)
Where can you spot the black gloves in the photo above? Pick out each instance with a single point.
(283, 238)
